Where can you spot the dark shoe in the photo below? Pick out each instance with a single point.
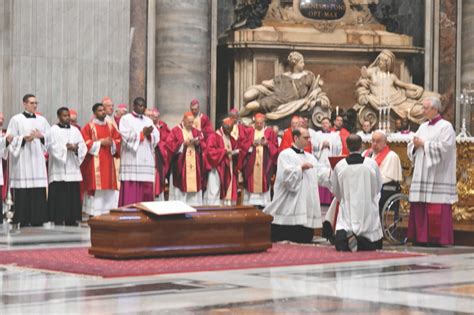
(328, 232)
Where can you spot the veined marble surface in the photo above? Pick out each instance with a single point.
(441, 282)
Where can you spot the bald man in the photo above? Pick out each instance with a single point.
(185, 147)
(433, 187)
(201, 120)
(221, 160)
(389, 166)
(258, 159)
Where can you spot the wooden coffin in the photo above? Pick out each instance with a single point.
(131, 233)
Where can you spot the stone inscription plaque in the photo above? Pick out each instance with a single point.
(323, 9)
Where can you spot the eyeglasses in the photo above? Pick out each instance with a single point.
(33, 103)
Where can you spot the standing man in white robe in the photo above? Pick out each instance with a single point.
(27, 139)
(326, 143)
(433, 187)
(389, 166)
(295, 206)
(137, 158)
(67, 150)
(3, 142)
(356, 184)
(366, 132)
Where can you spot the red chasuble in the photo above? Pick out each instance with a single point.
(287, 141)
(162, 160)
(187, 165)
(343, 134)
(99, 171)
(259, 165)
(202, 123)
(216, 157)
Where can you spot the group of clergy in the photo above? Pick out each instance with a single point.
(362, 182)
(57, 172)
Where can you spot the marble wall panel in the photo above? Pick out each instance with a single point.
(265, 70)
(68, 53)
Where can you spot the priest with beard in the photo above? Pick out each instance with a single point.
(185, 147)
(338, 122)
(258, 163)
(295, 206)
(221, 162)
(201, 121)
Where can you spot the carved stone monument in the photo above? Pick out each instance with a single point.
(297, 90)
(381, 93)
(336, 37)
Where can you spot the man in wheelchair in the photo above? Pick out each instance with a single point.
(389, 166)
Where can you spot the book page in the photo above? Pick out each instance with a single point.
(165, 207)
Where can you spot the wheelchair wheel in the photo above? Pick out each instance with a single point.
(395, 216)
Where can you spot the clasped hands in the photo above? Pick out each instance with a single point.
(306, 166)
(192, 141)
(262, 141)
(147, 131)
(34, 134)
(418, 142)
(232, 152)
(72, 147)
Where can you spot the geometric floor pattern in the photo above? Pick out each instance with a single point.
(441, 282)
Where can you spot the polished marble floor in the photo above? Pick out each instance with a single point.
(440, 282)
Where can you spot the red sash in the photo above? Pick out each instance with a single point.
(380, 157)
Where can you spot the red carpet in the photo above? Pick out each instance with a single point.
(78, 261)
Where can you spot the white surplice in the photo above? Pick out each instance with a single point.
(296, 197)
(434, 173)
(212, 194)
(3, 142)
(190, 198)
(366, 137)
(64, 165)
(357, 188)
(335, 145)
(27, 162)
(137, 158)
(390, 168)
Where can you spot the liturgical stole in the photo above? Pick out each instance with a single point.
(228, 147)
(258, 165)
(190, 162)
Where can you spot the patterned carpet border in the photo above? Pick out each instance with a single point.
(78, 261)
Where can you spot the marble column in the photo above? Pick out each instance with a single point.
(138, 49)
(182, 56)
(467, 53)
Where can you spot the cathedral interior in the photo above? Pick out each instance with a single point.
(372, 61)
